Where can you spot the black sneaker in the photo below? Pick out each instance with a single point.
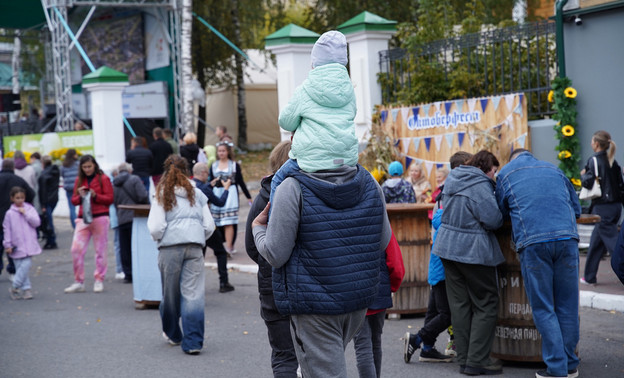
(544, 374)
(50, 246)
(488, 370)
(412, 342)
(432, 355)
(225, 288)
(573, 373)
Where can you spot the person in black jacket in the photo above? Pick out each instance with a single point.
(8, 179)
(48, 197)
(215, 242)
(283, 358)
(608, 205)
(190, 150)
(160, 151)
(141, 159)
(128, 190)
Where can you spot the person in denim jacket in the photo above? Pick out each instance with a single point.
(543, 207)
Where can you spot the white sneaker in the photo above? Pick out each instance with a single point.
(11, 276)
(76, 287)
(98, 287)
(171, 342)
(120, 276)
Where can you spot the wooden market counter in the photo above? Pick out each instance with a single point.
(146, 283)
(516, 336)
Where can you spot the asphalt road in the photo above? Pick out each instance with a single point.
(103, 335)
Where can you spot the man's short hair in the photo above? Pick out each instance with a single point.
(516, 152)
(157, 132)
(199, 168)
(8, 164)
(167, 132)
(279, 155)
(459, 158)
(222, 128)
(125, 167)
(138, 141)
(46, 160)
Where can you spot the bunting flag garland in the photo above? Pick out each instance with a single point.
(405, 144)
(471, 104)
(438, 141)
(518, 109)
(408, 162)
(484, 103)
(425, 109)
(428, 143)
(447, 106)
(449, 139)
(394, 114)
(509, 100)
(415, 112)
(522, 139)
(460, 138)
(416, 142)
(472, 137)
(384, 116)
(496, 100)
(404, 112)
(439, 165)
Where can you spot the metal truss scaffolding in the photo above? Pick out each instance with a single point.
(61, 42)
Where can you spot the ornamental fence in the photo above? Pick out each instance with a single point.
(521, 58)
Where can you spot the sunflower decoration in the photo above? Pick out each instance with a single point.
(564, 104)
(377, 174)
(567, 130)
(570, 92)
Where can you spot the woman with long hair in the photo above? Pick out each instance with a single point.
(69, 173)
(422, 187)
(180, 222)
(92, 187)
(190, 150)
(226, 217)
(470, 253)
(608, 205)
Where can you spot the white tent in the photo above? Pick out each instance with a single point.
(261, 105)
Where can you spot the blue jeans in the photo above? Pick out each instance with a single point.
(550, 272)
(182, 275)
(22, 268)
(72, 209)
(367, 344)
(118, 266)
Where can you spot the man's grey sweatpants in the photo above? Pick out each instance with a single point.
(320, 342)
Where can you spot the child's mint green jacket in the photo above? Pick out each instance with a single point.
(321, 114)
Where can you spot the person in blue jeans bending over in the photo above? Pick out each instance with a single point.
(543, 207)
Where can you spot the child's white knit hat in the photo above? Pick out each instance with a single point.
(331, 47)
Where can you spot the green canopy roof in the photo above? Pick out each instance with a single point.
(367, 21)
(291, 33)
(21, 14)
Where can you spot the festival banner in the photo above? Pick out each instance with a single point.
(53, 144)
(495, 123)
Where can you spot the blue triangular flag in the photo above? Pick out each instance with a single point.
(394, 114)
(408, 161)
(426, 109)
(449, 139)
(416, 142)
(415, 112)
(521, 140)
(396, 142)
(460, 138)
(439, 165)
(447, 106)
(428, 143)
(484, 103)
(496, 100)
(459, 104)
(384, 116)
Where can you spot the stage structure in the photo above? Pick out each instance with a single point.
(169, 15)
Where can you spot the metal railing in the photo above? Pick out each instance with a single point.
(499, 61)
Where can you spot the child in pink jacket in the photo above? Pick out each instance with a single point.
(20, 241)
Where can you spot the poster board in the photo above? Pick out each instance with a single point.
(428, 134)
(53, 144)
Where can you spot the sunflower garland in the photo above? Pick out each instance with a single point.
(564, 104)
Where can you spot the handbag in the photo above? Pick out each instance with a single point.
(595, 191)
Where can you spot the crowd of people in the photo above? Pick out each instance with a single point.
(320, 234)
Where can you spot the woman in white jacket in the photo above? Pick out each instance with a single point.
(180, 222)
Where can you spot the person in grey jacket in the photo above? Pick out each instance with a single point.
(128, 190)
(470, 253)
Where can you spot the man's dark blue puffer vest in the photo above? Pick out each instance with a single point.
(384, 294)
(334, 267)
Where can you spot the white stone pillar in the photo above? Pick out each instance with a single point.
(105, 86)
(367, 35)
(292, 46)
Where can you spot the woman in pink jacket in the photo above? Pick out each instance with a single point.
(20, 241)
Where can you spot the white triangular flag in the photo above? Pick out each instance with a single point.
(404, 112)
(438, 141)
(428, 167)
(405, 145)
(394, 114)
(509, 100)
(522, 140)
(472, 137)
(471, 104)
